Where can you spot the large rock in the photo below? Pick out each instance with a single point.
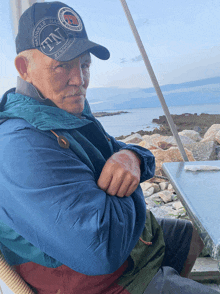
(197, 129)
(211, 133)
(203, 151)
(147, 145)
(191, 134)
(146, 185)
(154, 141)
(166, 196)
(164, 211)
(164, 145)
(157, 139)
(170, 155)
(156, 187)
(163, 185)
(217, 137)
(133, 139)
(177, 205)
(184, 139)
(148, 192)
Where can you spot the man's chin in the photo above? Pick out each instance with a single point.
(73, 105)
(77, 110)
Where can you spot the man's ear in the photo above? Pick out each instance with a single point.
(21, 64)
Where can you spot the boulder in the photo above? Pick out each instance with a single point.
(156, 187)
(164, 145)
(170, 188)
(148, 192)
(184, 139)
(146, 145)
(164, 212)
(163, 185)
(211, 133)
(146, 185)
(146, 137)
(197, 129)
(155, 141)
(142, 144)
(177, 205)
(203, 151)
(170, 155)
(133, 139)
(217, 137)
(151, 203)
(166, 196)
(191, 134)
(157, 199)
(217, 150)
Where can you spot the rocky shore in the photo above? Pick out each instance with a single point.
(186, 121)
(160, 197)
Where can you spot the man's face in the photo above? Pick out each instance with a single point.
(64, 83)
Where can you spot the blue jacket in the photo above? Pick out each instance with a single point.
(52, 212)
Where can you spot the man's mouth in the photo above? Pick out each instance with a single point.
(75, 95)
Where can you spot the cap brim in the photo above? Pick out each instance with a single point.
(79, 46)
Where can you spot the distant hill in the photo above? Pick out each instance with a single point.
(206, 91)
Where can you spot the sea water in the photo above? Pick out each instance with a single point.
(141, 118)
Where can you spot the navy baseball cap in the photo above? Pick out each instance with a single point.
(57, 31)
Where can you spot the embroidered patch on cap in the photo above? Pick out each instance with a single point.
(69, 19)
(50, 37)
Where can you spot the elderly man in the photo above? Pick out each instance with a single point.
(72, 214)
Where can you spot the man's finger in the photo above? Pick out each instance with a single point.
(131, 188)
(104, 180)
(125, 185)
(116, 182)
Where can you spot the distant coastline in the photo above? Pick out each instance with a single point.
(103, 113)
(205, 91)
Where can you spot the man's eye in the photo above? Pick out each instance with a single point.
(62, 65)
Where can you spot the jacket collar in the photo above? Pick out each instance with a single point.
(27, 89)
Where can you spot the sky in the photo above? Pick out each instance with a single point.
(179, 38)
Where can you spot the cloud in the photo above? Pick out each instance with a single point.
(134, 59)
(142, 22)
(137, 58)
(123, 60)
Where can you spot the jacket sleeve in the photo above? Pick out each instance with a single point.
(51, 199)
(147, 158)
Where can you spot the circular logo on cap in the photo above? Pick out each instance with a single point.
(69, 19)
(51, 38)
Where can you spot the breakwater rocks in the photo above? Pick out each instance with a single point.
(161, 199)
(159, 195)
(186, 121)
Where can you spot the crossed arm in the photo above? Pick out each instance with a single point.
(51, 199)
(120, 175)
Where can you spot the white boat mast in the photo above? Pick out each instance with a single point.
(17, 8)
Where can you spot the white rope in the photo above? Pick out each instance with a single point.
(154, 79)
(12, 279)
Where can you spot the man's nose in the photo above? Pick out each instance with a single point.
(76, 75)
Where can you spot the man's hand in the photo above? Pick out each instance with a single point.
(120, 175)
